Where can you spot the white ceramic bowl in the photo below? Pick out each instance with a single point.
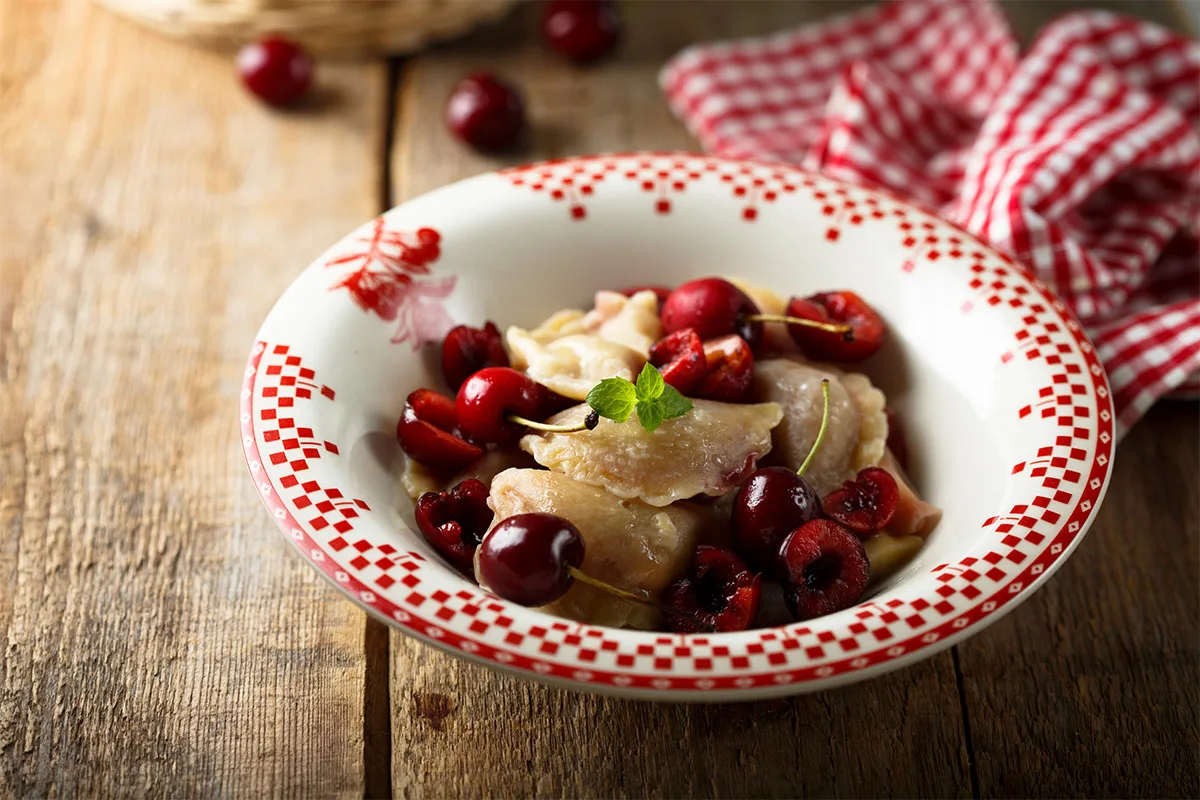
(1007, 409)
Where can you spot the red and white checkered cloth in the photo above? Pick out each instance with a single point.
(1080, 159)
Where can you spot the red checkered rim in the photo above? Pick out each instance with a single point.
(407, 590)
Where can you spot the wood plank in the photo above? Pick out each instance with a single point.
(459, 729)
(160, 635)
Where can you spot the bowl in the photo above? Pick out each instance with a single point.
(1008, 413)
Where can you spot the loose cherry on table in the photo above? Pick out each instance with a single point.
(454, 521)
(582, 30)
(497, 403)
(824, 568)
(466, 350)
(719, 594)
(843, 308)
(714, 308)
(773, 502)
(866, 504)
(429, 433)
(276, 70)
(485, 112)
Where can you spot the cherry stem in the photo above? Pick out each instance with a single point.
(640, 599)
(589, 424)
(845, 330)
(821, 433)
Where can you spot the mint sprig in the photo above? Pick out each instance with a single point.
(652, 398)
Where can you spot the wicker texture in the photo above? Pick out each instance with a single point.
(348, 28)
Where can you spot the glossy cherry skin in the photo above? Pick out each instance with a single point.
(714, 308)
(276, 70)
(824, 568)
(867, 330)
(487, 398)
(485, 112)
(428, 432)
(680, 358)
(771, 503)
(730, 371)
(866, 504)
(466, 350)
(719, 594)
(582, 30)
(454, 521)
(525, 558)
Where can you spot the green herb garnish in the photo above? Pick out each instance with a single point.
(652, 398)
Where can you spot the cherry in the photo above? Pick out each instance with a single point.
(466, 350)
(661, 292)
(718, 594)
(773, 502)
(454, 521)
(825, 569)
(896, 440)
(714, 308)
(276, 70)
(681, 359)
(865, 504)
(531, 559)
(428, 432)
(582, 30)
(730, 370)
(844, 308)
(495, 402)
(485, 112)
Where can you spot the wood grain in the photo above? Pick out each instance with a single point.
(160, 637)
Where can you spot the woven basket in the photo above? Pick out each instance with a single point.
(348, 28)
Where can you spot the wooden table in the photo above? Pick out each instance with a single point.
(161, 638)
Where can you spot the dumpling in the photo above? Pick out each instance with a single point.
(914, 517)
(887, 553)
(857, 424)
(631, 321)
(567, 322)
(627, 543)
(417, 480)
(571, 365)
(709, 450)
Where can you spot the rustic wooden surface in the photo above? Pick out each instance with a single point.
(160, 637)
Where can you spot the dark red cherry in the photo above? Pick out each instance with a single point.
(487, 398)
(485, 112)
(582, 30)
(466, 350)
(454, 521)
(730, 371)
(866, 504)
(772, 503)
(718, 594)
(525, 558)
(276, 70)
(428, 432)
(866, 335)
(680, 358)
(661, 292)
(825, 569)
(713, 308)
(897, 442)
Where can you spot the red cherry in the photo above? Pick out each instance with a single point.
(865, 504)
(718, 594)
(487, 398)
(825, 569)
(661, 292)
(680, 358)
(428, 432)
(582, 30)
(485, 112)
(714, 308)
(896, 440)
(454, 521)
(730, 375)
(466, 350)
(772, 503)
(526, 558)
(846, 308)
(278, 71)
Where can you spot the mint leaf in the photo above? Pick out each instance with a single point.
(613, 398)
(673, 404)
(649, 383)
(650, 414)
